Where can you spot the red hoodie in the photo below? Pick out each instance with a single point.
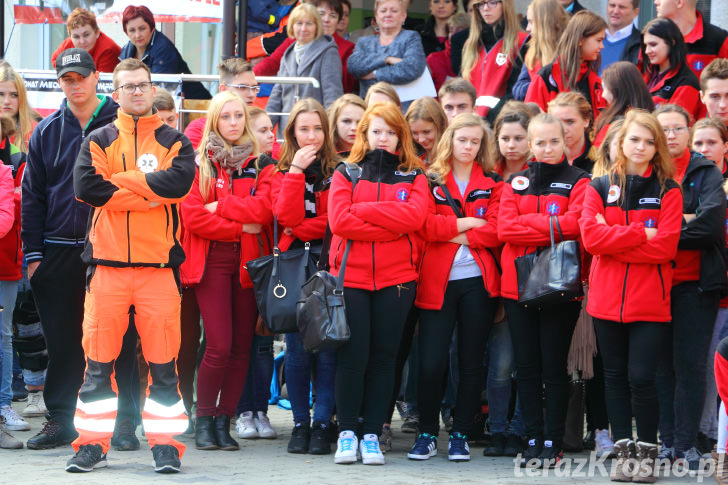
(241, 199)
(482, 200)
(527, 202)
(105, 53)
(631, 278)
(387, 206)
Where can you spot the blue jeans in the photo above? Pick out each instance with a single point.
(256, 392)
(499, 352)
(298, 381)
(8, 292)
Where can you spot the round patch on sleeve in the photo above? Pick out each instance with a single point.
(520, 182)
(147, 163)
(613, 194)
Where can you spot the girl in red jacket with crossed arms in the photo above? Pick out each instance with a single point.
(459, 279)
(631, 224)
(227, 216)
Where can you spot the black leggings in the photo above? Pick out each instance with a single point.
(405, 345)
(541, 339)
(629, 353)
(365, 364)
(468, 305)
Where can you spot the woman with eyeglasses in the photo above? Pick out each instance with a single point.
(698, 279)
(155, 50)
(493, 54)
(665, 67)
(314, 54)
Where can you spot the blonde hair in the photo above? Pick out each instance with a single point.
(549, 21)
(508, 23)
(603, 163)
(427, 109)
(392, 116)
(26, 115)
(326, 153)
(661, 162)
(442, 165)
(303, 11)
(383, 88)
(544, 119)
(335, 110)
(213, 117)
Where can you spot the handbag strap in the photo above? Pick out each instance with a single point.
(451, 201)
(558, 227)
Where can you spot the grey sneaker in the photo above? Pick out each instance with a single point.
(411, 424)
(694, 462)
(86, 459)
(13, 421)
(385, 439)
(245, 426)
(262, 425)
(7, 441)
(166, 459)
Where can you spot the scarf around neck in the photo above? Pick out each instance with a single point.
(229, 159)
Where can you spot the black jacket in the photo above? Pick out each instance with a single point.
(429, 39)
(631, 51)
(703, 195)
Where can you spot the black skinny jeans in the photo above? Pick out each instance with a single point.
(541, 339)
(365, 364)
(468, 305)
(630, 353)
(681, 369)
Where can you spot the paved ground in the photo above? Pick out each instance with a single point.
(266, 462)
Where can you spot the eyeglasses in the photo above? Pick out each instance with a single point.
(144, 87)
(487, 3)
(255, 89)
(676, 130)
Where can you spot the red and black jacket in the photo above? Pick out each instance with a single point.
(704, 43)
(679, 86)
(380, 217)
(528, 200)
(243, 197)
(584, 161)
(549, 83)
(631, 278)
(289, 204)
(482, 200)
(11, 253)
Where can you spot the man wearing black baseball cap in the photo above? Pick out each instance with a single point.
(53, 234)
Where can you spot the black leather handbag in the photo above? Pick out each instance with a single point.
(321, 311)
(552, 275)
(277, 280)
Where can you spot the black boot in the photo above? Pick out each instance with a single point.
(222, 434)
(205, 433)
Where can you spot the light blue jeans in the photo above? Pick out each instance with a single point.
(8, 293)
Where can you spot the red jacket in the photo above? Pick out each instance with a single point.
(528, 200)
(440, 65)
(679, 86)
(704, 43)
(288, 195)
(548, 84)
(631, 277)
(387, 206)
(240, 200)
(105, 53)
(482, 200)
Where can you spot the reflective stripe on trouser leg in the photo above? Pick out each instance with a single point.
(96, 407)
(164, 412)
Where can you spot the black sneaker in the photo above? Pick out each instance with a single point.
(124, 438)
(497, 445)
(300, 438)
(166, 459)
(86, 459)
(589, 440)
(530, 456)
(319, 443)
(550, 455)
(514, 445)
(53, 434)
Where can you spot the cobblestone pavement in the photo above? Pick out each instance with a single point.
(267, 462)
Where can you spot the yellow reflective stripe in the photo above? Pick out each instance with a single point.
(157, 409)
(97, 407)
(95, 425)
(171, 426)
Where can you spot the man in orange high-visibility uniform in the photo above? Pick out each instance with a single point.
(134, 172)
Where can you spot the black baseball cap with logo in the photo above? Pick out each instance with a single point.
(75, 60)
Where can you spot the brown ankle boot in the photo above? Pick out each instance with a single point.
(646, 455)
(623, 466)
(721, 467)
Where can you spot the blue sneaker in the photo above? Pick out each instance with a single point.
(457, 448)
(425, 447)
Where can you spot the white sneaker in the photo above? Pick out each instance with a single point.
(262, 424)
(369, 450)
(36, 405)
(604, 446)
(346, 448)
(246, 426)
(13, 421)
